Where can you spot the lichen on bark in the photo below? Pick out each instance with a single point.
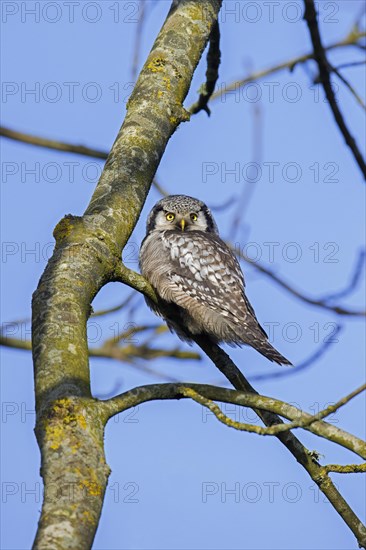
(70, 423)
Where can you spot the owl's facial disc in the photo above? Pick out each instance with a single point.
(187, 221)
(181, 213)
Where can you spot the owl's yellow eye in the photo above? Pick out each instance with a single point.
(170, 217)
(194, 217)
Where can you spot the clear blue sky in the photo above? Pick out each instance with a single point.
(173, 467)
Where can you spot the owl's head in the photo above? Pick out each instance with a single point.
(180, 212)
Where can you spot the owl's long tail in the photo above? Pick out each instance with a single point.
(266, 349)
(256, 337)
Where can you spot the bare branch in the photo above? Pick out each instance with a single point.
(63, 146)
(354, 279)
(138, 38)
(302, 422)
(212, 73)
(332, 408)
(319, 302)
(345, 469)
(351, 64)
(290, 412)
(87, 250)
(52, 144)
(351, 40)
(248, 189)
(223, 362)
(302, 366)
(358, 98)
(320, 57)
(133, 279)
(238, 380)
(127, 353)
(113, 309)
(320, 428)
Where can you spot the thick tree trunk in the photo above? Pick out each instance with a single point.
(70, 423)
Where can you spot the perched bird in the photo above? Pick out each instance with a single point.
(197, 278)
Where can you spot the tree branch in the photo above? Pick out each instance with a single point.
(70, 423)
(345, 469)
(180, 390)
(358, 98)
(62, 146)
(79, 149)
(352, 39)
(130, 355)
(53, 144)
(113, 309)
(318, 302)
(320, 57)
(69, 426)
(318, 353)
(274, 429)
(212, 73)
(223, 362)
(238, 380)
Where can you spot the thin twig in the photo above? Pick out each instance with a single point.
(352, 39)
(354, 279)
(138, 39)
(212, 72)
(273, 429)
(113, 309)
(125, 335)
(319, 302)
(223, 206)
(335, 406)
(348, 85)
(249, 188)
(32, 139)
(64, 147)
(351, 64)
(320, 57)
(320, 428)
(302, 455)
(127, 353)
(302, 366)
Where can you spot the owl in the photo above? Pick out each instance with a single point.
(197, 278)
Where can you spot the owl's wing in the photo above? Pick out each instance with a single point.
(201, 287)
(205, 276)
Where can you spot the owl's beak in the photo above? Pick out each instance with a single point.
(182, 223)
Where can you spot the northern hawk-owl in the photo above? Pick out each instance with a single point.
(197, 277)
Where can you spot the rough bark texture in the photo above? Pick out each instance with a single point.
(69, 422)
(151, 392)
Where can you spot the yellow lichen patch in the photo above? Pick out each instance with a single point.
(75, 447)
(87, 516)
(55, 435)
(160, 94)
(94, 489)
(63, 414)
(89, 481)
(80, 419)
(156, 65)
(65, 227)
(167, 83)
(195, 11)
